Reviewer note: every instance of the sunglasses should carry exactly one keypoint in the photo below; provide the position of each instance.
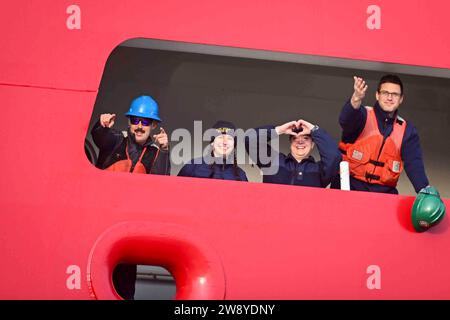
(145, 121)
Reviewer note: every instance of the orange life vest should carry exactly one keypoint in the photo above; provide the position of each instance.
(125, 165)
(372, 158)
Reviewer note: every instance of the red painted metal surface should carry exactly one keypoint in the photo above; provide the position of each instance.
(38, 49)
(270, 241)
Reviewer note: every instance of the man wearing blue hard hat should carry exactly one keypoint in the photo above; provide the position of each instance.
(138, 152)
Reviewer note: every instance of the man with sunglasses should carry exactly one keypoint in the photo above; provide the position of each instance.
(138, 152)
(377, 142)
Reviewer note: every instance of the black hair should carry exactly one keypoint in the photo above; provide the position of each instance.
(391, 78)
(235, 166)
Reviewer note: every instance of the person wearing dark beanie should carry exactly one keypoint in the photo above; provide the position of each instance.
(221, 162)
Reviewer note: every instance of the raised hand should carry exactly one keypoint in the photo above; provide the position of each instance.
(305, 125)
(360, 88)
(107, 120)
(162, 139)
(288, 128)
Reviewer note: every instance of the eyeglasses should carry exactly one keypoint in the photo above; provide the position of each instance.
(145, 121)
(386, 94)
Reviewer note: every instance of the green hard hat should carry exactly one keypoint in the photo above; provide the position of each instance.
(428, 209)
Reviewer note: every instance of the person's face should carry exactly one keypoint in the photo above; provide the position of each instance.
(389, 97)
(223, 145)
(301, 146)
(141, 128)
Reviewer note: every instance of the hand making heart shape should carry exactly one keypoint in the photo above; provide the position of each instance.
(295, 128)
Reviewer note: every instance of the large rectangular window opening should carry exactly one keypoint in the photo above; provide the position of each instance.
(253, 88)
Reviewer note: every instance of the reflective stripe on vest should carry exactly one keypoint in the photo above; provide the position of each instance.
(373, 159)
(125, 165)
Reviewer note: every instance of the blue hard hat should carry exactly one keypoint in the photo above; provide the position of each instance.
(145, 107)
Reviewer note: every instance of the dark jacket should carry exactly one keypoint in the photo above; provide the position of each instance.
(307, 172)
(353, 121)
(112, 148)
(221, 169)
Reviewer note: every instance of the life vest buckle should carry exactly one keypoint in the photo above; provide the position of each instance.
(376, 163)
(370, 176)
